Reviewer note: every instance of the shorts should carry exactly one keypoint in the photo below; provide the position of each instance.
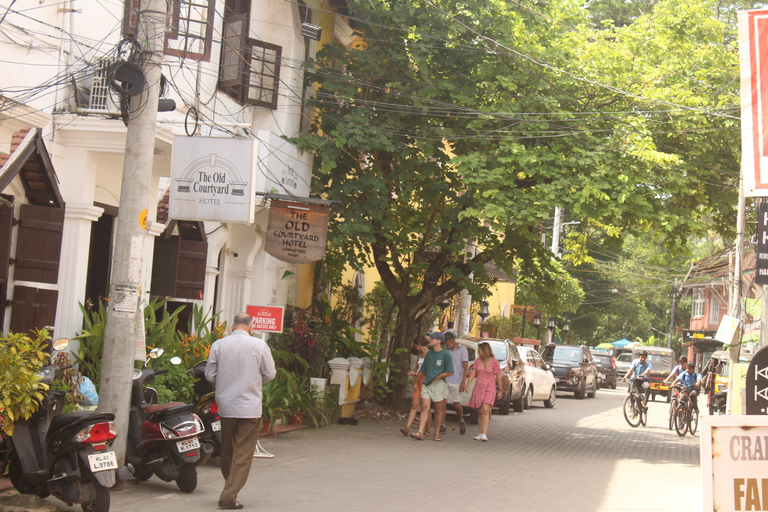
(434, 391)
(452, 393)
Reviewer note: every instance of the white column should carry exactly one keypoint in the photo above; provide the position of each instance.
(154, 229)
(73, 268)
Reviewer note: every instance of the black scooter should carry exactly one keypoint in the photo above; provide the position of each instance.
(162, 438)
(208, 412)
(65, 455)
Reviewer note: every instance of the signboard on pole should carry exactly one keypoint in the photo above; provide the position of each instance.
(761, 255)
(296, 232)
(727, 329)
(212, 179)
(734, 451)
(266, 318)
(753, 57)
(756, 389)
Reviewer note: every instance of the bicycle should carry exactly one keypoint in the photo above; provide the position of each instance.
(634, 411)
(674, 402)
(686, 418)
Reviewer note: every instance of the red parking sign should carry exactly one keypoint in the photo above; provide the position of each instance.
(266, 318)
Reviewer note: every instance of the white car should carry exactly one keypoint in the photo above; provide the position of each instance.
(540, 383)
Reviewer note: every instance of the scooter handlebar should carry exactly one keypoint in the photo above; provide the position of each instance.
(160, 372)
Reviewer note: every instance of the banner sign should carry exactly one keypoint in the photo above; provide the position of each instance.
(727, 329)
(212, 179)
(266, 318)
(756, 389)
(761, 254)
(753, 55)
(734, 451)
(296, 231)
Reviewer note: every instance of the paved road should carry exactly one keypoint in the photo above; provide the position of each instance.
(579, 456)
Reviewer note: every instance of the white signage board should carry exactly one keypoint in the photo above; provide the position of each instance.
(734, 451)
(213, 179)
(753, 57)
(279, 168)
(727, 329)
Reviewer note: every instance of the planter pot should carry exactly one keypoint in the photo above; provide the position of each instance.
(297, 418)
(265, 425)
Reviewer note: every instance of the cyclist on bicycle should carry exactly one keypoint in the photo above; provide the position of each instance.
(641, 368)
(691, 382)
(677, 370)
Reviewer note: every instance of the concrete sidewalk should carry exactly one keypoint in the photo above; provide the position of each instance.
(579, 456)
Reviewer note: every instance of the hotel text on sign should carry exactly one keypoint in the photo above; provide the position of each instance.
(296, 231)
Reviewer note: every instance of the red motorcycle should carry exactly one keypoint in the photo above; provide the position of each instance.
(162, 438)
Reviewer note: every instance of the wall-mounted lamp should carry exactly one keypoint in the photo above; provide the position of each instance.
(484, 313)
(442, 305)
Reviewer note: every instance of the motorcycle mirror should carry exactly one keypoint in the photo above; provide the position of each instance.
(155, 352)
(175, 360)
(60, 344)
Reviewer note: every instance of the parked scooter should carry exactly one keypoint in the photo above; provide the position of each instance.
(208, 412)
(64, 455)
(163, 438)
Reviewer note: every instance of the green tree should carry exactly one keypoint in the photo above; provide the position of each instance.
(452, 132)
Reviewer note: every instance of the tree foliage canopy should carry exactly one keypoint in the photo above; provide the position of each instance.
(452, 130)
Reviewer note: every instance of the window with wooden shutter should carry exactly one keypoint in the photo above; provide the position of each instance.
(233, 50)
(39, 244)
(178, 268)
(188, 31)
(33, 308)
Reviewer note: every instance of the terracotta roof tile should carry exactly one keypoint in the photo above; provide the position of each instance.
(162, 207)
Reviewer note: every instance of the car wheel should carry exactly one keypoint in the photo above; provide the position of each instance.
(613, 386)
(593, 393)
(528, 397)
(582, 391)
(550, 402)
(519, 404)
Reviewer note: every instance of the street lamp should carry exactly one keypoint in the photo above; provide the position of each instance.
(442, 305)
(484, 313)
(566, 329)
(537, 325)
(551, 324)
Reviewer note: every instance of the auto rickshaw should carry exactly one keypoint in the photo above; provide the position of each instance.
(662, 362)
(716, 381)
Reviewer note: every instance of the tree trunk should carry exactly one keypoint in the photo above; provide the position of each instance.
(406, 330)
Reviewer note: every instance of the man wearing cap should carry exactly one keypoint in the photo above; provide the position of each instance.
(437, 365)
(454, 385)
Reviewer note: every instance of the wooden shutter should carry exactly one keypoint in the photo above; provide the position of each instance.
(164, 263)
(233, 50)
(39, 244)
(33, 308)
(6, 224)
(190, 273)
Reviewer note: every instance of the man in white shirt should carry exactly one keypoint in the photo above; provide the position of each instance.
(455, 383)
(238, 365)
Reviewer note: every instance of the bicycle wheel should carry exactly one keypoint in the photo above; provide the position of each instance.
(681, 420)
(644, 416)
(631, 414)
(672, 409)
(694, 422)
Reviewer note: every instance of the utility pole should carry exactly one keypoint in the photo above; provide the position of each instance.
(556, 230)
(672, 312)
(127, 262)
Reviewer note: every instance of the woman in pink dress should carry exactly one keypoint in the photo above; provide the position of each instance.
(488, 372)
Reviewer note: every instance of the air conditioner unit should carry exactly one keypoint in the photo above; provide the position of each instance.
(103, 99)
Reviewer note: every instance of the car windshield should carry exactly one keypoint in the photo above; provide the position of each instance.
(563, 354)
(624, 358)
(499, 351)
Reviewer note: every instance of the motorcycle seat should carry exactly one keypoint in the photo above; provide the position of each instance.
(159, 412)
(78, 418)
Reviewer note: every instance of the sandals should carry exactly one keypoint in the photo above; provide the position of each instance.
(417, 437)
(230, 506)
(404, 431)
(438, 437)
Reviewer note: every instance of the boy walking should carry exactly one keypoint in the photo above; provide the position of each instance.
(438, 364)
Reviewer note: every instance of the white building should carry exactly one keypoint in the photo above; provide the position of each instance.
(63, 175)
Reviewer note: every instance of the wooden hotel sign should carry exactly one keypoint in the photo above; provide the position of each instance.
(296, 231)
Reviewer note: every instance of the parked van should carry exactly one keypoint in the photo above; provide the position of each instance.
(662, 361)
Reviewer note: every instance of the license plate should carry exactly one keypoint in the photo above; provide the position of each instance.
(187, 444)
(102, 461)
(216, 425)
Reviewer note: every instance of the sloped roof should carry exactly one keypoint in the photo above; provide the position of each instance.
(717, 267)
(30, 161)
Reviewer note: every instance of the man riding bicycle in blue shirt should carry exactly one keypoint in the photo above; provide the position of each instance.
(691, 381)
(641, 368)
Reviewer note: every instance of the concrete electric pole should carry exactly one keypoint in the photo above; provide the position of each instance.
(124, 290)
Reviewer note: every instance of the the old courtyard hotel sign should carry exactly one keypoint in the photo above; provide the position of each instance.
(212, 179)
(296, 231)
